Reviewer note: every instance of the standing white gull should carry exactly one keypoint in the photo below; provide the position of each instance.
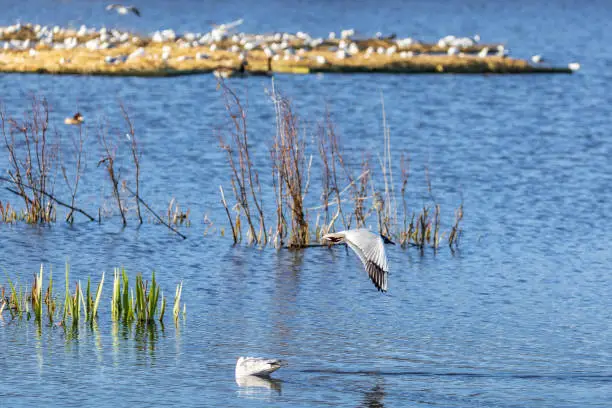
(262, 367)
(370, 248)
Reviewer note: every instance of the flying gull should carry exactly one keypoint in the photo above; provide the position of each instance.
(370, 248)
(123, 10)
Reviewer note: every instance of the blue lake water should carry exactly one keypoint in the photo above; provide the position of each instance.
(520, 316)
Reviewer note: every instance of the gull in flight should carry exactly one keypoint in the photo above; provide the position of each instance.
(228, 26)
(123, 10)
(370, 248)
(261, 367)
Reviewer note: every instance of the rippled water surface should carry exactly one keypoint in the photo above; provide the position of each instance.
(520, 316)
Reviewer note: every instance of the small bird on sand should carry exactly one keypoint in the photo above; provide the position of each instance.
(261, 367)
(77, 119)
(370, 248)
(123, 10)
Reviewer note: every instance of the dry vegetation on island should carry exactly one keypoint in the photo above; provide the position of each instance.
(28, 48)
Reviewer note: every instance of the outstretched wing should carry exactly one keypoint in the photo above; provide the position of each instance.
(371, 250)
(135, 10)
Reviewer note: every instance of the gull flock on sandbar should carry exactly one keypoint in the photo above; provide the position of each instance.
(228, 52)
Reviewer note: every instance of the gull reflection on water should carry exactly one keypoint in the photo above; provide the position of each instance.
(253, 387)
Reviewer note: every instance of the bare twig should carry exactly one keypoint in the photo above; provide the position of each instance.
(109, 161)
(73, 187)
(135, 154)
(50, 196)
(154, 213)
(234, 235)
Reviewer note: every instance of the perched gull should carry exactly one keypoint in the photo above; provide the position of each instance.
(370, 248)
(123, 10)
(536, 59)
(262, 367)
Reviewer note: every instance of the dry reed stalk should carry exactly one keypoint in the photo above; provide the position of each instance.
(245, 179)
(110, 151)
(290, 165)
(73, 187)
(436, 228)
(175, 215)
(135, 155)
(453, 237)
(229, 217)
(331, 156)
(281, 222)
(32, 161)
(390, 207)
(360, 194)
(143, 202)
(404, 168)
(326, 176)
(8, 214)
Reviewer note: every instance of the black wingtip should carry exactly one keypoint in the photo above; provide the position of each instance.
(386, 240)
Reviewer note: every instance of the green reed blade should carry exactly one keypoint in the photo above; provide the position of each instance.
(38, 303)
(82, 298)
(116, 302)
(50, 302)
(94, 312)
(88, 301)
(67, 297)
(163, 308)
(126, 306)
(177, 301)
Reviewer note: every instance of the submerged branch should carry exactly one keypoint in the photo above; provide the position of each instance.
(154, 213)
(50, 196)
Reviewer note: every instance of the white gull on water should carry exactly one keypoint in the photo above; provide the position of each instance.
(262, 367)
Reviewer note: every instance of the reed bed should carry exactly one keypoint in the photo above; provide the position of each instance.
(144, 304)
(350, 196)
(38, 162)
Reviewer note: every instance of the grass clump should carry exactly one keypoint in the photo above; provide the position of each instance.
(145, 304)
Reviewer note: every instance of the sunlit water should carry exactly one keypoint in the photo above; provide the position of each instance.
(520, 316)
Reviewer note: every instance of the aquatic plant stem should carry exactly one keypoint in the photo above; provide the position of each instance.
(154, 213)
(49, 195)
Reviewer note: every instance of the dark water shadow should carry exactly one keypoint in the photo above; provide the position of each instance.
(509, 375)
